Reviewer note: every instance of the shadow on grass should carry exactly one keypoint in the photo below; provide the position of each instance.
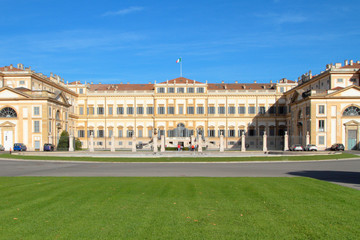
(331, 176)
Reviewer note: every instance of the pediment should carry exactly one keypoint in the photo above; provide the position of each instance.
(61, 98)
(7, 92)
(7, 124)
(352, 123)
(351, 91)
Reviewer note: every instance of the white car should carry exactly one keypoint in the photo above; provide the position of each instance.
(296, 147)
(311, 147)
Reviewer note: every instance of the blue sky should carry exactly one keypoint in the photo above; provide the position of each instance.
(139, 41)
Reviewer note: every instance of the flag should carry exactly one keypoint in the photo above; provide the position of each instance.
(178, 61)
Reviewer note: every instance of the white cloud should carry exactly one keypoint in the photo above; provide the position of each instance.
(283, 18)
(123, 11)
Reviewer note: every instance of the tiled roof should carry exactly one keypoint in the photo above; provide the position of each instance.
(75, 82)
(10, 69)
(240, 86)
(181, 80)
(355, 65)
(121, 87)
(337, 88)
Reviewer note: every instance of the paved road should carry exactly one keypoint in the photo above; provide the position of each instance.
(343, 172)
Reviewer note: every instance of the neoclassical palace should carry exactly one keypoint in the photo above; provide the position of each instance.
(320, 109)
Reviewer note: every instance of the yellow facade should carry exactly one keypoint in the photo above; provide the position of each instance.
(314, 109)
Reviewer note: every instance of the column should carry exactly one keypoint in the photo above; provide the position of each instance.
(91, 142)
(133, 145)
(286, 141)
(50, 138)
(221, 143)
(243, 149)
(162, 143)
(155, 142)
(265, 142)
(200, 143)
(307, 138)
(112, 149)
(71, 143)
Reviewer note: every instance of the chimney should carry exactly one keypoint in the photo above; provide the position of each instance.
(270, 81)
(121, 83)
(358, 62)
(346, 62)
(92, 83)
(51, 74)
(128, 83)
(99, 82)
(236, 81)
(222, 81)
(11, 66)
(351, 62)
(254, 81)
(149, 82)
(310, 74)
(20, 66)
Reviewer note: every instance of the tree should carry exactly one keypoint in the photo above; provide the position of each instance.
(77, 144)
(63, 141)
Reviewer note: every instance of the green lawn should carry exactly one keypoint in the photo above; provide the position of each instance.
(176, 208)
(187, 159)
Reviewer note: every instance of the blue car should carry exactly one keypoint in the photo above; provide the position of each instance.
(19, 147)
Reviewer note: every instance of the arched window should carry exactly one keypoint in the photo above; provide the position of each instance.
(8, 112)
(58, 115)
(352, 111)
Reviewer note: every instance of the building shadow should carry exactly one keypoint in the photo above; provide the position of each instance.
(331, 176)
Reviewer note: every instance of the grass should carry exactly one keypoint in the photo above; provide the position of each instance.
(185, 159)
(176, 208)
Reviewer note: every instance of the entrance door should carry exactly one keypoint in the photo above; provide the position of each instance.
(8, 140)
(352, 139)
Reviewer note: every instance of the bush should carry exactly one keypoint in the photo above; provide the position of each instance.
(63, 141)
(77, 144)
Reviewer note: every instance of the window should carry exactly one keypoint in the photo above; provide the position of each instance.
(161, 90)
(241, 132)
(180, 90)
(272, 110)
(241, 109)
(231, 133)
(90, 111)
(150, 110)
(231, 110)
(307, 110)
(50, 126)
(211, 110)
(200, 110)
(161, 110)
(22, 82)
(150, 133)
(171, 90)
(66, 116)
(200, 90)
(120, 110)
(282, 110)
(140, 133)
(129, 133)
(221, 110)
(140, 110)
(90, 133)
(262, 110)
(49, 111)
(110, 110)
(321, 140)
(36, 126)
(36, 111)
(100, 110)
(130, 110)
(100, 133)
(321, 109)
(181, 110)
(282, 89)
(99, 143)
(81, 133)
(81, 91)
(81, 110)
(252, 132)
(340, 80)
(352, 111)
(251, 110)
(120, 143)
(110, 134)
(190, 110)
(190, 90)
(211, 133)
(171, 110)
(321, 125)
(120, 133)
(221, 132)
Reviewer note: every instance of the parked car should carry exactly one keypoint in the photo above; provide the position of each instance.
(19, 147)
(296, 147)
(337, 147)
(49, 147)
(311, 147)
(2, 148)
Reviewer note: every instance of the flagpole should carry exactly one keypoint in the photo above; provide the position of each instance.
(180, 66)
